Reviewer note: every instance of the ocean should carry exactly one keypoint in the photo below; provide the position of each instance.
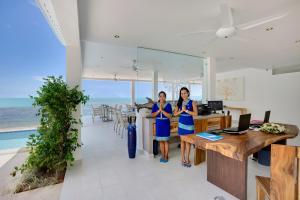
(19, 113)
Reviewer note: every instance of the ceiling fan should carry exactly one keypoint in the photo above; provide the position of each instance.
(134, 66)
(115, 77)
(229, 29)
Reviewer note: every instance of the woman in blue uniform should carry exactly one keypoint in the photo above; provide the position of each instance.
(163, 113)
(186, 109)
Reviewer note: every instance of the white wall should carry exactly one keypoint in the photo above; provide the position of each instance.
(264, 91)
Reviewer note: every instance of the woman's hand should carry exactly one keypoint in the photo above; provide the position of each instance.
(195, 111)
(157, 112)
(161, 107)
(168, 115)
(177, 111)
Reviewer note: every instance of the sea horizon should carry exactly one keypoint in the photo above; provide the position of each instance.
(21, 102)
(17, 102)
(18, 112)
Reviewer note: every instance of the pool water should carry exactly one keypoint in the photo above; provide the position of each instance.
(14, 139)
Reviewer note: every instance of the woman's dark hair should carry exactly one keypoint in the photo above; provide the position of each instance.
(180, 100)
(162, 92)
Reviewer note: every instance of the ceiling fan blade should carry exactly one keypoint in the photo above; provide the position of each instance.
(261, 21)
(226, 15)
(115, 77)
(243, 39)
(212, 40)
(197, 32)
(134, 68)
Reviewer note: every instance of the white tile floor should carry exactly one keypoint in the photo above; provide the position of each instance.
(106, 172)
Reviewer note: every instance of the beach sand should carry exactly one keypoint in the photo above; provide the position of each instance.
(8, 182)
(7, 154)
(15, 157)
(51, 192)
(4, 158)
(24, 128)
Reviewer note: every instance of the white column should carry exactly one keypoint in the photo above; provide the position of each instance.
(73, 75)
(62, 17)
(132, 92)
(204, 83)
(173, 91)
(155, 85)
(209, 83)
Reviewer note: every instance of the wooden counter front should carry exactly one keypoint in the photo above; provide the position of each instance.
(202, 123)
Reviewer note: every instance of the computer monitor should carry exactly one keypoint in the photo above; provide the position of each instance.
(204, 109)
(215, 105)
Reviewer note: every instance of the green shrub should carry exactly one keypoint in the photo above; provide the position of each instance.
(51, 150)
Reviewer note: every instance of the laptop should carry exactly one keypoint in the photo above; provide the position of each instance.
(244, 123)
(260, 122)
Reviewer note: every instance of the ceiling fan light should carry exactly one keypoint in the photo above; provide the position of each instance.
(225, 32)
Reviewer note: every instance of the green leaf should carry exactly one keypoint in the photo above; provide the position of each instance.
(57, 139)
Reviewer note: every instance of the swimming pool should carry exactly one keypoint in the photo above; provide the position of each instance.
(14, 139)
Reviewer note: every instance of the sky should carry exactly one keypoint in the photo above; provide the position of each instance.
(30, 51)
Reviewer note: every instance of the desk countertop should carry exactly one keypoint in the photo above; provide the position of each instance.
(239, 147)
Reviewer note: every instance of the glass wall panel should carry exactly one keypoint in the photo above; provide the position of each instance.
(106, 92)
(173, 68)
(143, 89)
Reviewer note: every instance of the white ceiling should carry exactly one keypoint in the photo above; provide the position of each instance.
(107, 61)
(157, 24)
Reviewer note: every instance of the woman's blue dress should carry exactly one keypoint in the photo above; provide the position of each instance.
(162, 122)
(186, 121)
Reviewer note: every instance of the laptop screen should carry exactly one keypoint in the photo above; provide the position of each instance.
(267, 116)
(244, 122)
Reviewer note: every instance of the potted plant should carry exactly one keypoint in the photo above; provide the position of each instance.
(51, 150)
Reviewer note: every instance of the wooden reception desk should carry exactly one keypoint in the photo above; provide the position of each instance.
(227, 158)
(202, 123)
